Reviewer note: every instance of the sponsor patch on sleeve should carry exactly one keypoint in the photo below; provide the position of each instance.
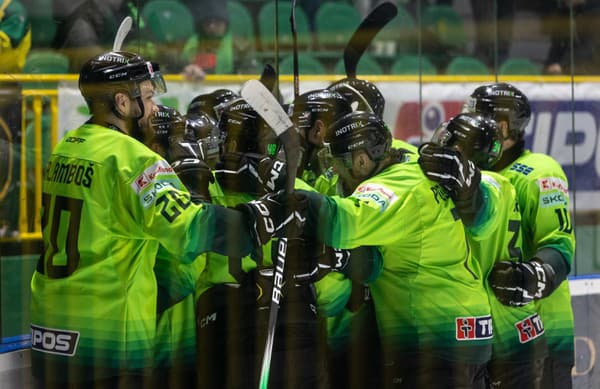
(376, 194)
(156, 178)
(474, 328)
(555, 199)
(551, 184)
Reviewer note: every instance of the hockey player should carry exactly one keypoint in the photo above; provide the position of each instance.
(311, 113)
(548, 239)
(173, 137)
(431, 306)
(363, 95)
(355, 329)
(109, 205)
(519, 345)
(234, 293)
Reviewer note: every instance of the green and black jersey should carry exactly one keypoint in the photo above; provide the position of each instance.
(429, 294)
(518, 331)
(543, 195)
(109, 203)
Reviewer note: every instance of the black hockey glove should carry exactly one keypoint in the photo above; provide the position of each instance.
(358, 264)
(447, 167)
(269, 215)
(459, 176)
(196, 176)
(519, 283)
(252, 173)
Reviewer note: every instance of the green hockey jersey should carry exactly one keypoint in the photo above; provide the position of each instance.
(429, 294)
(108, 203)
(518, 331)
(543, 195)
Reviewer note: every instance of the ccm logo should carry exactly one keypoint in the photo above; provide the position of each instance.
(53, 341)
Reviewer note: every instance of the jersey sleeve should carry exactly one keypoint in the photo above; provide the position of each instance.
(547, 215)
(159, 202)
(486, 222)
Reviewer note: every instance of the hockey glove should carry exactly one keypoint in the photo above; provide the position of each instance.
(360, 264)
(459, 176)
(269, 215)
(519, 283)
(196, 176)
(447, 167)
(252, 173)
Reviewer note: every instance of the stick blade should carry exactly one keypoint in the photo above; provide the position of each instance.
(362, 37)
(122, 32)
(266, 105)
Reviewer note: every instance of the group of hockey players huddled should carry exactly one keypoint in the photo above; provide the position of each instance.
(437, 267)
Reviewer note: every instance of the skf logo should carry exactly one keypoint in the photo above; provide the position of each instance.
(474, 328)
(530, 328)
(553, 200)
(53, 341)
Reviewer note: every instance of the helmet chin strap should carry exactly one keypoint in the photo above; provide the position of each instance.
(132, 124)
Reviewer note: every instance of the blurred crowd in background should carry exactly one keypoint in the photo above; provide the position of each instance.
(199, 37)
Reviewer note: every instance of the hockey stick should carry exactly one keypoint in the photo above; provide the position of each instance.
(295, 50)
(276, 42)
(269, 79)
(363, 36)
(263, 102)
(122, 32)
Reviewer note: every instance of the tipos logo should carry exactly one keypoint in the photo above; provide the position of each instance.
(529, 328)
(474, 328)
(53, 341)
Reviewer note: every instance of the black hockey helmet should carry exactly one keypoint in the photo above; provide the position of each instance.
(117, 71)
(475, 135)
(502, 101)
(206, 131)
(211, 103)
(361, 94)
(239, 122)
(358, 130)
(166, 123)
(320, 104)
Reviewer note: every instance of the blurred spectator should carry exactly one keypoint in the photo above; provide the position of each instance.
(484, 15)
(15, 36)
(586, 44)
(212, 50)
(86, 28)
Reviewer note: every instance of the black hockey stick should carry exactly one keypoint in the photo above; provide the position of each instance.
(295, 50)
(269, 78)
(263, 102)
(363, 36)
